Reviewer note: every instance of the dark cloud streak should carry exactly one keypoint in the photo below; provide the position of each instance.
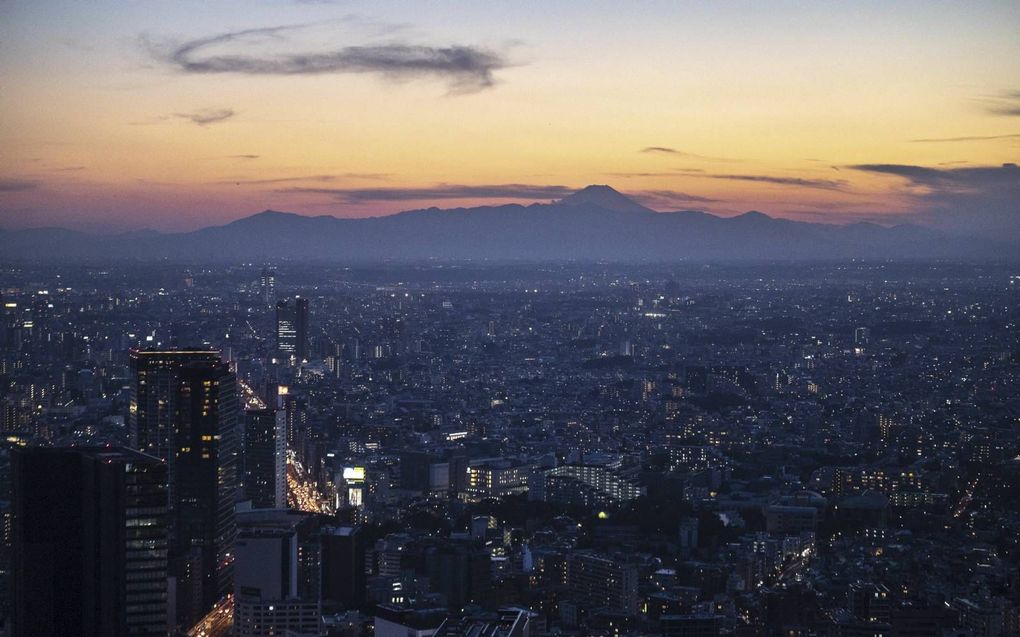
(966, 177)
(441, 191)
(17, 185)
(674, 152)
(972, 138)
(206, 116)
(800, 182)
(305, 178)
(279, 180)
(971, 200)
(1007, 103)
(660, 196)
(669, 173)
(465, 68)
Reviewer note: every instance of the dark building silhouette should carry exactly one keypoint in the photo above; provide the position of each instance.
(414, 470)
(292, 328)
(343, 567)
(690, 625)
(460, 574)
(89, 543)
(869, 602)
(276, 580)
(265, 459)
(184, 409)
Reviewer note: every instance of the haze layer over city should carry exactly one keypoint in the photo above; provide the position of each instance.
(340, 319)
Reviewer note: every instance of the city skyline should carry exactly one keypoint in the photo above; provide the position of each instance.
(173, 117)
(531, 450)
(335, 318)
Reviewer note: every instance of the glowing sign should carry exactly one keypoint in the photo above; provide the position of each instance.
(354, 473)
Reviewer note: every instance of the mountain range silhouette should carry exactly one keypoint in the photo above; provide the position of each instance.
(597, 223)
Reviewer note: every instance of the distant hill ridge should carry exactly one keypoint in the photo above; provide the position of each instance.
(596, 223)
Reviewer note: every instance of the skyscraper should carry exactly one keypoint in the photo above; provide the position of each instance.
(265, 459)
(89, 543)
(155, 396)
(267, 286)
(292, 328)
(296, 409)
(184, 409)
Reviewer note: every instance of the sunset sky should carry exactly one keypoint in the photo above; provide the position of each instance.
(177, 115)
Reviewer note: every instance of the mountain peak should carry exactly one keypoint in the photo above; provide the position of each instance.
(265, 217)
(755, 215)
(602, 196)
(269, 213)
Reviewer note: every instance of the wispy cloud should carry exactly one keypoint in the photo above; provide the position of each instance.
(304, 178)
(206, 116)
(669, 197)
(17, 185)
(1006, 103)
(799, 182)
(440, 192)
(665, 150)
(674, 152)
(465, 68)
(243, 156)
(664, 173)
(970, 138)
(965, 177)
(279, 180)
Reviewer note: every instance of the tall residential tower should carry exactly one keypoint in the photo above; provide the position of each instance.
(184, 409)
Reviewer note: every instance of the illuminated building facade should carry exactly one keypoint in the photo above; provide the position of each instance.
(292, 329)
(184, 410)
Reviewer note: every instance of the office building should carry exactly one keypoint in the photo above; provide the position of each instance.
(276, 590)
(89, 543)
(184, 409)
(595, 581)
(790, 520)
(265, 458)
(292, 329)
(461, 574)
(155, 398)
(296, 412)
(497, 478)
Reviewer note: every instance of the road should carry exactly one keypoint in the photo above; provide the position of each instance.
(302, 494)
(968, 495)
(219, 622)
(249, 397)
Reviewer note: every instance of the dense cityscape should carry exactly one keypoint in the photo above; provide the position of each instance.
(463, 449)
